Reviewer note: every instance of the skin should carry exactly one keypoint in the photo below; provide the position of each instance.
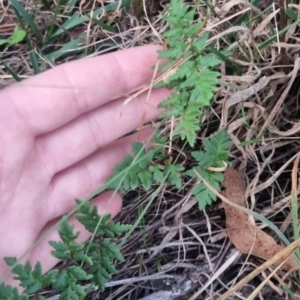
(61, 137)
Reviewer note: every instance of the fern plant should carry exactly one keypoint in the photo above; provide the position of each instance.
(215, 154)
(194, 83)
(195, 80)
(97, 256)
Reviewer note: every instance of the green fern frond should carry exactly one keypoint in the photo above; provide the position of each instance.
(147, 171)
(111, 250)
(194, 81)
(67, 283)
(135, 168)
(174, 176)
(202, 193)
(97, 224)
(68, 248)
(189, 125)
(103, 255)
(215, 154)
(31, 279)
(9, 293)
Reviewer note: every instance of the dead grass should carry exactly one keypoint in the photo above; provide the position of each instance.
(176, 247)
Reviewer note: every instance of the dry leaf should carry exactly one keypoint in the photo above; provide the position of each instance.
(241, 230)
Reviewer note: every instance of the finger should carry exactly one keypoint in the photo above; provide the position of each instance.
(66, 146)
(107, 203)
(56, 97)
(88, 175)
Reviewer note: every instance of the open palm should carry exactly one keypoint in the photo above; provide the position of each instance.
(60, 140)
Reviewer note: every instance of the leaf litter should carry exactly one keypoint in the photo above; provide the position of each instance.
(241, 229)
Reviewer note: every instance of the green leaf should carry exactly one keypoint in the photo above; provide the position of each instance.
(10, 71)
(80, 256)
(174, 53)
(98, 224)
(103, 266)
(158, 175)
(135, 169)
(203, 195)
(205, 159)
(174, 175)
(100, 280)
(204, 90)
(274, 37)
(72, 47)
(215, 153)
(134, 180)
(190, 124)
(186, 70)
(209, 60)
(292, 14)
(77, 19)
(66, 231)
(106, 263)
(66, 283)
(20, 9)
(30, 279)
(62, 281)
(216, 150)
(218, 145)
(191, 81)
(175, 6)
(105, 26)
(174, 33)
(69, 294)
(139, 151)
(7, 292)
(18, 36)
(138, 148)
(77, 290)
(4, 41)
(33, 58)
(192, 31)
(194, 81)
(104, 273)
(68, 248)
(146, 179)
(112, 250)
(49, 278)
(79, 273)
(61, 250)
(200, 43)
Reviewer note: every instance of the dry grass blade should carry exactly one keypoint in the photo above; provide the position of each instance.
(295, 217)
(242, 96)
(259, 288)
(279, 103)
(283, 254)
(275, 176)
(216, 275)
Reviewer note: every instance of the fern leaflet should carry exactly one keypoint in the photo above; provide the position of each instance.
(215, 154)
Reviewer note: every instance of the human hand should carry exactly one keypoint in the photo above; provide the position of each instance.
(58, 142)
